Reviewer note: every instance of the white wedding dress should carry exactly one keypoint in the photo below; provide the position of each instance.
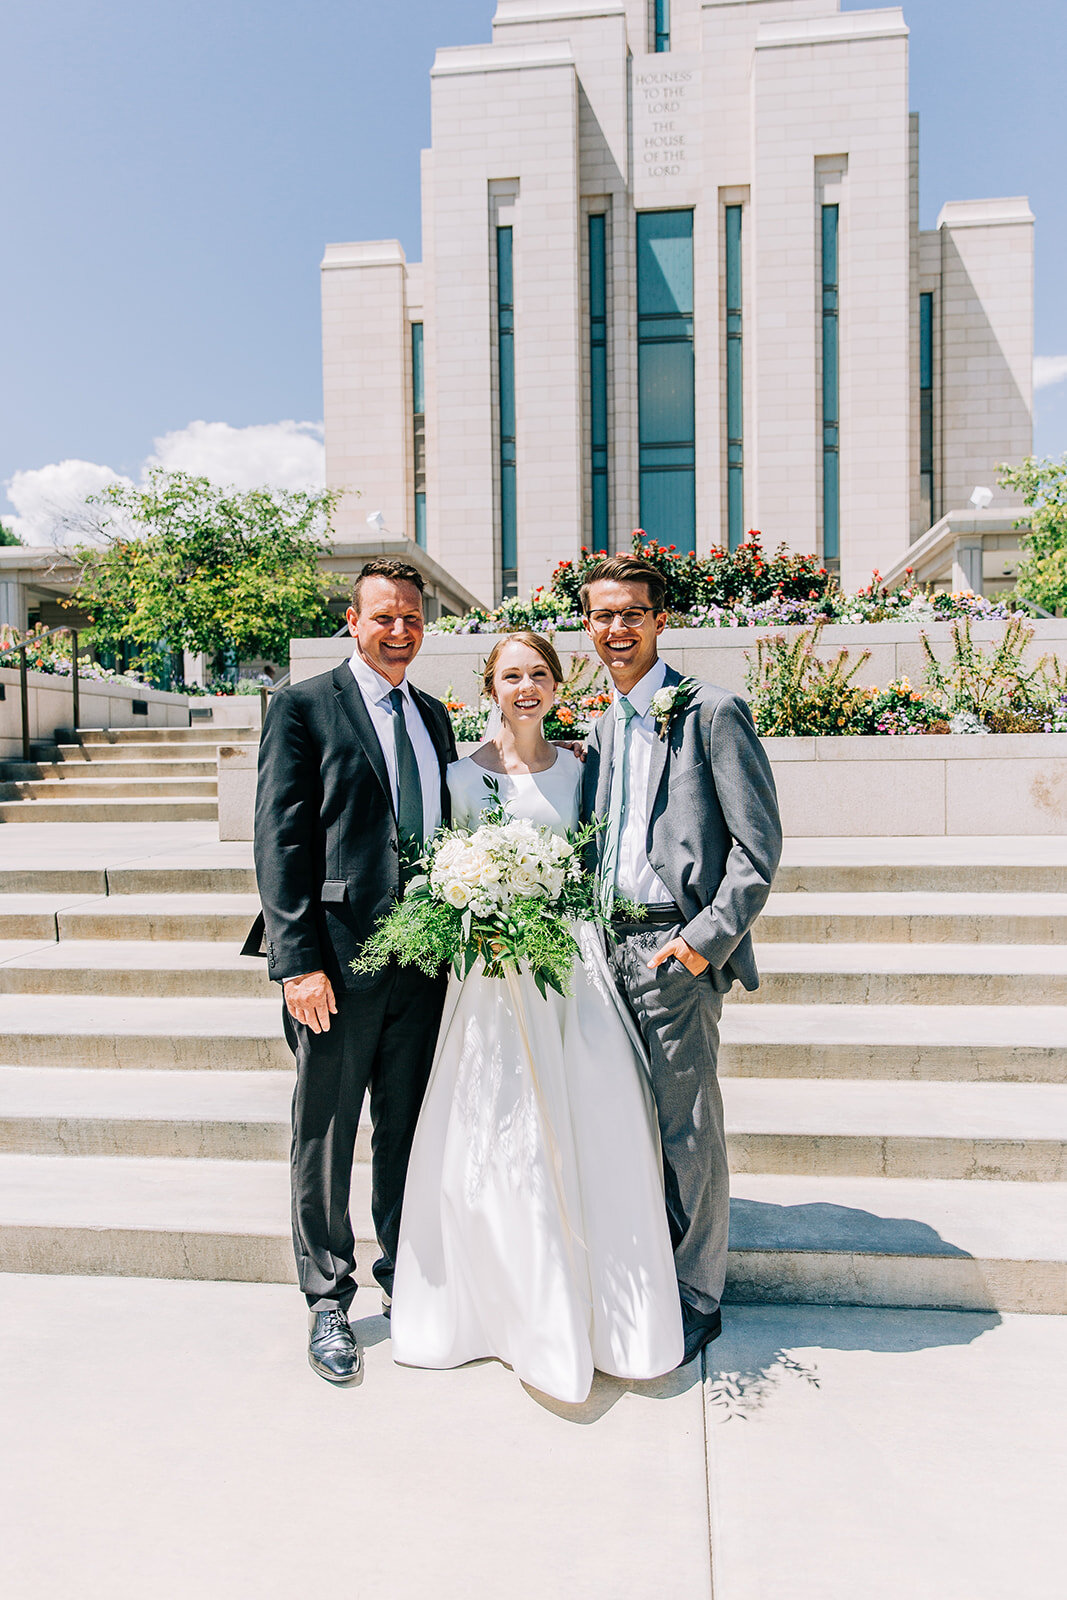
(534, 1226)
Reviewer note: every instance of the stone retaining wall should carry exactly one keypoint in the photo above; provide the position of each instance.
(102, 704)
(997, 785)
(717, 655)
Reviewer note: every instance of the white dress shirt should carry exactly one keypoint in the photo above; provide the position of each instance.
(635, 878)
(376, 691)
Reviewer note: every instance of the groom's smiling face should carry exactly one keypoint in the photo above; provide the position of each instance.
(627, 648)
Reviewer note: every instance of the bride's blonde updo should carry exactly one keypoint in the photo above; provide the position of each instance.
(536, 641)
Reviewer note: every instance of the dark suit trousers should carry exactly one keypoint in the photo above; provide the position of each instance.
(381, 1039)
(678, 1016)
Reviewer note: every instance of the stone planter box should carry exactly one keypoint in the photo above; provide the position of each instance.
(897, 785)
(102, 705)
(718, 655)
(991, 785)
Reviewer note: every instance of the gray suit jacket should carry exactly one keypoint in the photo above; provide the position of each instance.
(714, 835)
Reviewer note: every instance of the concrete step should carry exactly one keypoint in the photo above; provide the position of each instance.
(33, 916)
(955, 1245)
(916, 877)
(109, 1032)
(181, 877)
(119, 755)
(901, 974)
(114, 810)
(159, 968)
(915, 918)
(849, 1241)
(1005, 1132)
(203, 733)
(948, 1044)
(107, 788)
(229, 1116)
(1002, 1131)
(225, 917)
(147, 766)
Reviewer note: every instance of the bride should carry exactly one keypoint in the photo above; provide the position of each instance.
(534, 1227)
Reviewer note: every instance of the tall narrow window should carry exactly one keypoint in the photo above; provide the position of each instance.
(665, 377)
(662, 25)
(598, 376)
(735, 403)
(926, 409)
(831, 388)
(505, 308)
(418, 410)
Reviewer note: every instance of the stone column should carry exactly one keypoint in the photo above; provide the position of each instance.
(13, 604)
(967, 565)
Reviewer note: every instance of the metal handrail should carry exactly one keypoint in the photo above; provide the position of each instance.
(24, 685)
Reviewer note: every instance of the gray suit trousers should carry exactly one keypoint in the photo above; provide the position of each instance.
(678, 1017)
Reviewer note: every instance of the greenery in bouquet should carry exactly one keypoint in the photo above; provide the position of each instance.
(506, 893)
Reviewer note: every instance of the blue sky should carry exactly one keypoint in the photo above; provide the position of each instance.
(174, 170)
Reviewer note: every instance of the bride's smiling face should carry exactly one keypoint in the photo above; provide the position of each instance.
(523, 685)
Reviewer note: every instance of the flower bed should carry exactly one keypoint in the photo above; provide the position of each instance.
(742, 588)
(47, 655)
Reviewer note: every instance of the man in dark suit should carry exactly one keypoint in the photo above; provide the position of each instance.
(351, 783)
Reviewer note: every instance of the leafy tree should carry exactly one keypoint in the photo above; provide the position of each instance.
(1042, 482)
(187, 565)
(8, 535)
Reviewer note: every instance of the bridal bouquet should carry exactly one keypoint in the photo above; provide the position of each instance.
(508, 892)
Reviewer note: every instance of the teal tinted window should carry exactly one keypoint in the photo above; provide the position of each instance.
(663, 25)
(509, 560)
(665, 377)
(598, 377)
(735, 394)
(926, 409)
(418, 408)
(831, 384)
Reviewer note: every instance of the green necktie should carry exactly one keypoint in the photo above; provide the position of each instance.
(624, 713)
(409, 818)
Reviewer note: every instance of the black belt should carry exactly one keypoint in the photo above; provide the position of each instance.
(657, 916)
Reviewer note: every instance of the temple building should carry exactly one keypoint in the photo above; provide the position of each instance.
(673, 277)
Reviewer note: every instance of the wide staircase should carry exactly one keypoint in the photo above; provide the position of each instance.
(109, 775)
(896, 1092)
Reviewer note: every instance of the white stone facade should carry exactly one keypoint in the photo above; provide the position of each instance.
(782, 108)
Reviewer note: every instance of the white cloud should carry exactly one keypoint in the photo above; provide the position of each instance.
(286, 455)
(1049, 370)
(49, 501)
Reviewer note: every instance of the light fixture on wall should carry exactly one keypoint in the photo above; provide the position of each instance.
(376, 521)
(981, 498)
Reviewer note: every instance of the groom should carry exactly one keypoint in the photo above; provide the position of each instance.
(351, 782)
(692, 834)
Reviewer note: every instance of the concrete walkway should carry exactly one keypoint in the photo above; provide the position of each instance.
(168, 1439)
(888, 1455)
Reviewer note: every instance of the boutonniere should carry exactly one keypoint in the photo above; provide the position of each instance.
(669, 701)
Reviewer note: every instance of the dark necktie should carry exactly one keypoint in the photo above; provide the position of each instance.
(409, 818)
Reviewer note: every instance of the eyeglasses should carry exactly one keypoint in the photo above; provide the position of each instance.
(632, 617)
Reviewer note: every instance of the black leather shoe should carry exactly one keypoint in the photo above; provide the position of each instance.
(387, 1305)
(699, 1330)
(332, 1348)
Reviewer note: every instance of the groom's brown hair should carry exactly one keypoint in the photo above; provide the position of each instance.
(626, 569)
